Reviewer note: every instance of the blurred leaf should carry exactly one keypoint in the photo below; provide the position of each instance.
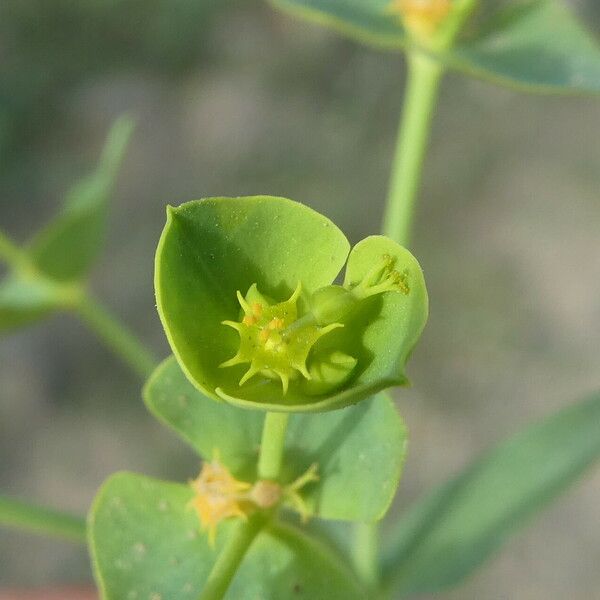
(146, 543)
(359, 450)
(456, 528)
(25, 301)
(369, 21)
(66, 248)
(536, 45)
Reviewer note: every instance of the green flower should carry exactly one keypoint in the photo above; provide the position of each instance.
(244, 291)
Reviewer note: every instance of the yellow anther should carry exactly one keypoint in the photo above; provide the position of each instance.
(276, 323)
(257, 309)
(249, 320)
(263, 336)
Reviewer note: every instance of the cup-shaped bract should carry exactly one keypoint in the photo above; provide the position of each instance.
(236, 280)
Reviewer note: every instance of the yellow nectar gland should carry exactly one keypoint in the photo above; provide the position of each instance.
(422, 17)
(272, 338)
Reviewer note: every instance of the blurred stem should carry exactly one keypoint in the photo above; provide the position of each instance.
(116, 336)
(365, 553)
(231, 557)
(40, 520)
(424, 75)
(108, 328)
(12, 254)
(272, 445)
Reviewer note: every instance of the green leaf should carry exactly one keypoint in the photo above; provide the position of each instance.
(536, 45)
(214, 248)
(146, 544)
(207, 426)
(25, 301)
(360, 450)
(66, 248)
(457, 527)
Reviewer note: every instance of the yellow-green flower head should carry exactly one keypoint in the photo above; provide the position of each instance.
(245, 292)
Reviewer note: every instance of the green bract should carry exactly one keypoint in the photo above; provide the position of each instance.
(536, 45)
(243, 288)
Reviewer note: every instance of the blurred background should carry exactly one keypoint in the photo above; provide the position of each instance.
(232, 98)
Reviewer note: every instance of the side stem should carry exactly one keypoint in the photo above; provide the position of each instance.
(272, 445)
(116, 336)
(424, 75)
(231, 557)
(41, 520)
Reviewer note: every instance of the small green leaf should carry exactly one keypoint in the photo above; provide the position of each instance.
(25, 301)
(359, 450)
(457, 527)
(145, 543)
(536, 45)
(66, 248)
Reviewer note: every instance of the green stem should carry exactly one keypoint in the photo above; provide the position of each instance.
(272, 445)
(40, 520)
(116, 336)
(365, 553)
(424, 75)
(231, 557)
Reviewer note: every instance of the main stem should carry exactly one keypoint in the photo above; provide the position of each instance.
(422, 87)
(41, 520)
(272, 445)
(424, 74)
(231, 557)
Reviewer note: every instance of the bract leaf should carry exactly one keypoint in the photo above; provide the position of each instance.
(390, 338)
(359, 450)
(535, 45)
(66, 248)
(457, 527)
(210, 250)
(204, 424)
(25, 301)
(145, 543)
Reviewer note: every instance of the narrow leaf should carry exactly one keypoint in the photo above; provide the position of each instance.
(66, 248)
(457, 527)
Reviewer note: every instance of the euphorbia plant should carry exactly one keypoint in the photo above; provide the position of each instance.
(284, 341)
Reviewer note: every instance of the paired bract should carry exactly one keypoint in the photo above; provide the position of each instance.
(245, 292)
